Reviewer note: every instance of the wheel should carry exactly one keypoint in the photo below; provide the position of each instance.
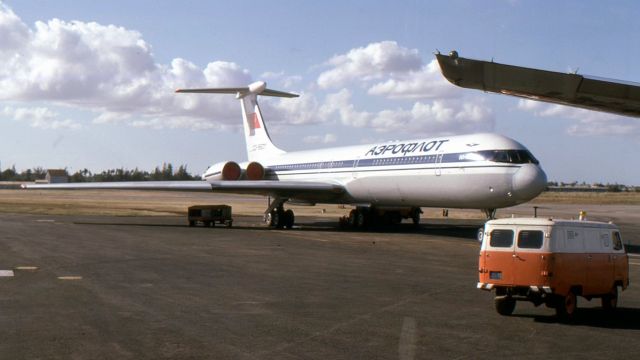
(288, 219)
(361, 219)
(206, 223)
(192, 223)
(230, 223)
(567, 306)
(268, 219)
(352, 218)
(416, 216)
(278, 219)
(610, 301)
(505, 305)
(213, 223)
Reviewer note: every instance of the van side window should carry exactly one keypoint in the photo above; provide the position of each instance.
(530, 239)
(501, 238)
(617, 241)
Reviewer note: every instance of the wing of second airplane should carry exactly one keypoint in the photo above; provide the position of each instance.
(285, 189)
(589, 92)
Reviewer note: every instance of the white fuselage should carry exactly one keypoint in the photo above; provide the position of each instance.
(483, 171)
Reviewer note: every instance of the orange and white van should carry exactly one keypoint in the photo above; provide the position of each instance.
(551, 262)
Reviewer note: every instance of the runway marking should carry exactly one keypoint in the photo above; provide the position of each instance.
(69, 277)
(407, 345)
(45, 220)
(634, 263)
(26, 268)
(6, 273)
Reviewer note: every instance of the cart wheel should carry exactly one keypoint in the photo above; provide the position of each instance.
(505, 305)
(192, 223)
(229, 223)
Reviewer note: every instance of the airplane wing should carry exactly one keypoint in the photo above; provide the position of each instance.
(589, 92)
(125, 185)
(284, 189)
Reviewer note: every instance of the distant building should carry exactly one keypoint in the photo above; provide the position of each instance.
(57, 176)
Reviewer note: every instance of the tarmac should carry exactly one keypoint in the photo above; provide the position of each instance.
(97, 287)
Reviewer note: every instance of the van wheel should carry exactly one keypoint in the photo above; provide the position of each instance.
(567, 306)
(610, 301)
(505, 305)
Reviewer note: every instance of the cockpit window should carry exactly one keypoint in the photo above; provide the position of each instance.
(508, 156)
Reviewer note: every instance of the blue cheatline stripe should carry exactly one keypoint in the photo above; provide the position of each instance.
(374, 162)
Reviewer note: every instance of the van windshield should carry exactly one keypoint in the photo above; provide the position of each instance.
(530, 239)
(501, 238)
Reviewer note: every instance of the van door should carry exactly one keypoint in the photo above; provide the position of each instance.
(529, 258)
(498, 257)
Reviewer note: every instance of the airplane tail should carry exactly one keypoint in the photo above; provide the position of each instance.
(259, 144)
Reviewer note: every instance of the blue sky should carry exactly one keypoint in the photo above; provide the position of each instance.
(90, 84)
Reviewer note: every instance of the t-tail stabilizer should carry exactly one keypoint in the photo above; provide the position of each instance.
(259, 144)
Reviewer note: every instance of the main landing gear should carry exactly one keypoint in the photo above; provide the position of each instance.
(364, 217)
(276, 216)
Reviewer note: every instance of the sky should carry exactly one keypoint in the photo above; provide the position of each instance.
(91, 84)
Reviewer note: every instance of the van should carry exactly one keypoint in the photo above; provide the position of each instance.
(552, 262)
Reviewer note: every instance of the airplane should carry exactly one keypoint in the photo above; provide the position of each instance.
(385, 182)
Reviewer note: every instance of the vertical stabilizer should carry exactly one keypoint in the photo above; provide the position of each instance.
(259, 144)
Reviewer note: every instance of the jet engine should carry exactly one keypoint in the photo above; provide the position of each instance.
(226, 170)
(255, 171)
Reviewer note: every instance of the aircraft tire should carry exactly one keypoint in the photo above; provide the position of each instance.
(278, 219)
(288, 219)
(360, 219)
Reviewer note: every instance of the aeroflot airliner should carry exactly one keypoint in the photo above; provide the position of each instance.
(384, 181)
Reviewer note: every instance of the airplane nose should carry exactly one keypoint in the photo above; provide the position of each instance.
(528, 182)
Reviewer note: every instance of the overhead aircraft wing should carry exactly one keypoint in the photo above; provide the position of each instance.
(285, 189)
(198, 185)
(589, 92)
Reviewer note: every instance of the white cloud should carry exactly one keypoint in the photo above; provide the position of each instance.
(110, 70)
(588, 122)
(39, 117)
(367, 63)
(320, 139)
(437, 118)
(425, 83)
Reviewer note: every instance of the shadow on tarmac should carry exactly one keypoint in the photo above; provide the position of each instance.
(622, 318)
(453, 228)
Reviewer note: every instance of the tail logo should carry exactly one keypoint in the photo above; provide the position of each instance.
(254, 123)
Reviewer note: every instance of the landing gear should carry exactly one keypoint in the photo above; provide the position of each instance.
(489, 213)
(364, 217)
(276, 216)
